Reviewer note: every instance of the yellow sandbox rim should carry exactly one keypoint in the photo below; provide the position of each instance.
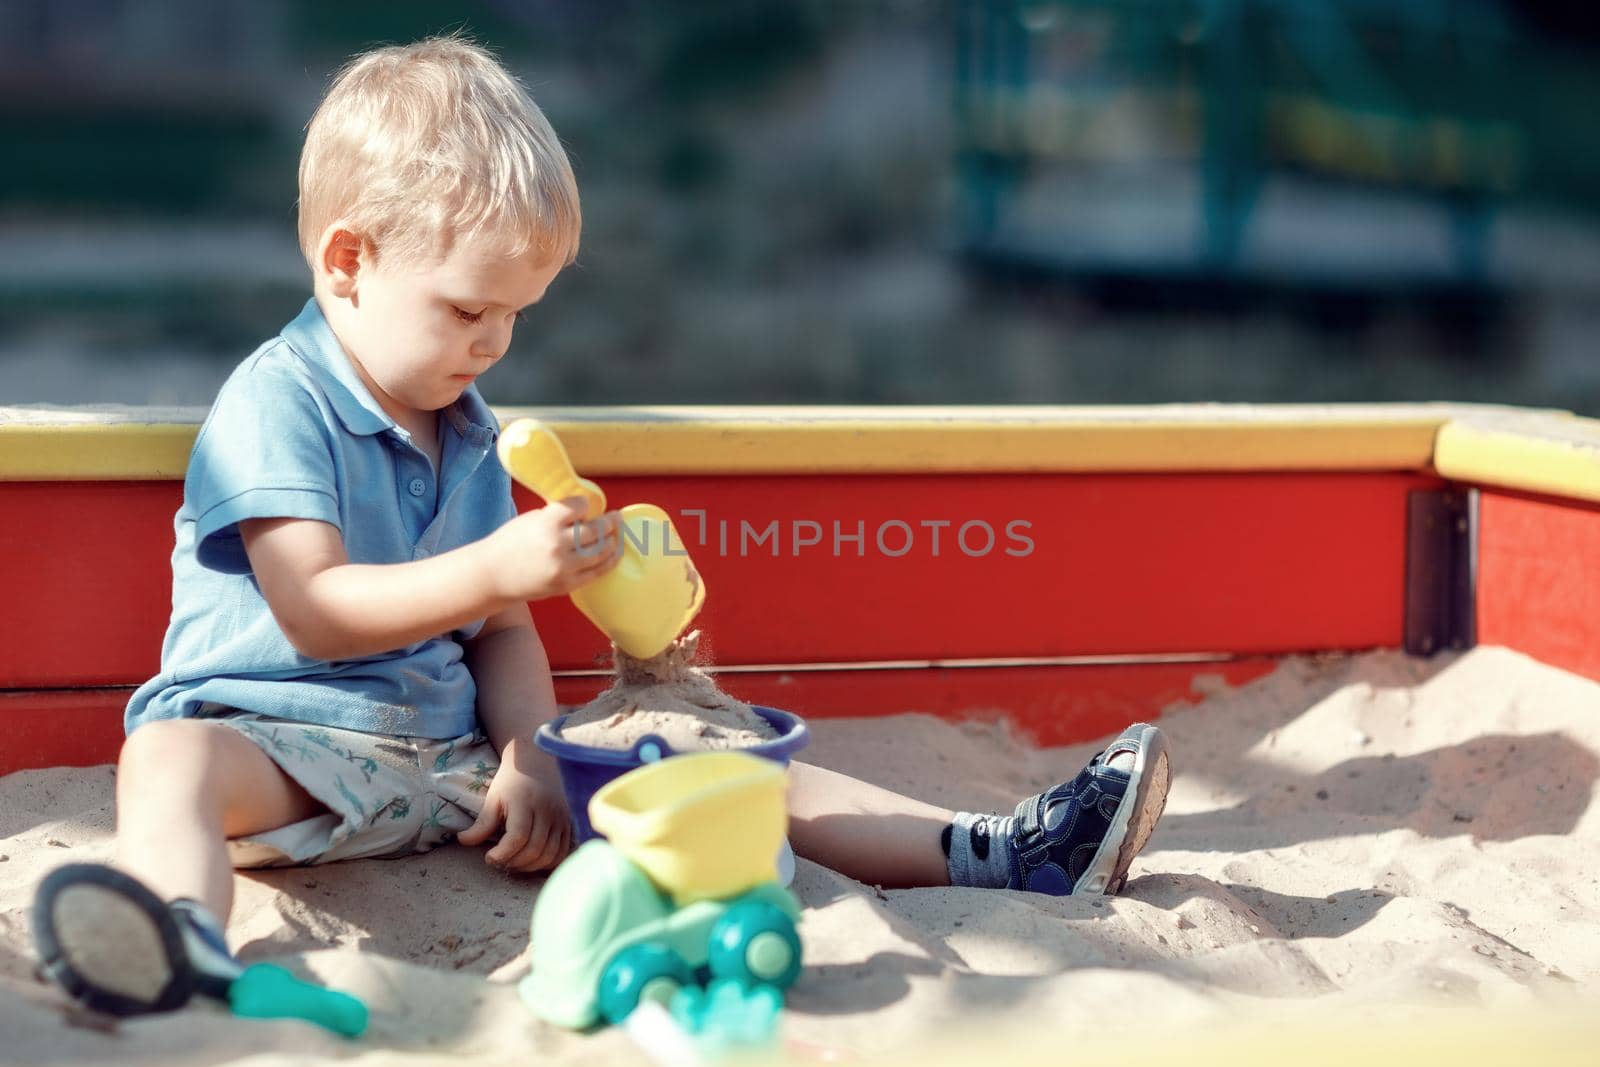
(861, 440)
(1538, 450)
(1558, 454)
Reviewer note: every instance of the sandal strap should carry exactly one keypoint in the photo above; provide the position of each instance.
(1032, 844)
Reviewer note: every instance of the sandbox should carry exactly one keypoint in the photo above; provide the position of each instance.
(1356, 832)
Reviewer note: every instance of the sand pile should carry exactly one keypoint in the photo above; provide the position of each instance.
(1352, 839)
(666, 695)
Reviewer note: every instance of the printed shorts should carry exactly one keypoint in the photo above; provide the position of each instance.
(387, 796)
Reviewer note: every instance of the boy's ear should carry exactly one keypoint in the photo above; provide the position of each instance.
(340, 259)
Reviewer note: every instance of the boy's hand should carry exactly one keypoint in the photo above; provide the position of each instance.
(553, 550)
(537, 830)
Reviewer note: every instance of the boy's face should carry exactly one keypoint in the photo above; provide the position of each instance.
(420, 333)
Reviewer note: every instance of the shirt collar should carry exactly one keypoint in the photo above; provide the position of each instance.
(313, 339)
(472, 419)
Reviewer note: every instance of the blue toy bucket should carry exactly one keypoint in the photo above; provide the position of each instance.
(585, 769)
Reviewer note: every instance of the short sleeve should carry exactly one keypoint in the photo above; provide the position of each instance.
(265, 451)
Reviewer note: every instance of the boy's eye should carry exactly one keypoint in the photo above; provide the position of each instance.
(466, 316)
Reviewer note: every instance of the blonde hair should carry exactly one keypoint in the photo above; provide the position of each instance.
(421, 145)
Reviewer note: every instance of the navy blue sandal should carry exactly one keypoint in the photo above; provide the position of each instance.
(1080, 838)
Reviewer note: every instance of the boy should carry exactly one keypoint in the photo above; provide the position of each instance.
(350, 669)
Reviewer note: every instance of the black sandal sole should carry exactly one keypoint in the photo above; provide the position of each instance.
(90, 920)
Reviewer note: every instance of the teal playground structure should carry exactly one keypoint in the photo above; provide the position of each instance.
(1319, 140)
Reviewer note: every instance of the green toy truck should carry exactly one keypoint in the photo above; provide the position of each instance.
(684, 889)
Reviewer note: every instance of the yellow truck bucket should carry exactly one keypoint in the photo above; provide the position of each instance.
(703, 826)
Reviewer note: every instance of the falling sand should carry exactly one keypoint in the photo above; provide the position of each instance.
(668, 696)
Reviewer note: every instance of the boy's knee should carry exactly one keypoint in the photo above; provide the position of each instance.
(169, 747)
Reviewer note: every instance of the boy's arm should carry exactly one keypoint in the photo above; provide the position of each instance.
(516, 693)
(523, 804)
(332, 609)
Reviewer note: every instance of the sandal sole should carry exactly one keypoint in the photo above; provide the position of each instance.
(110, 942)
(1134, 822)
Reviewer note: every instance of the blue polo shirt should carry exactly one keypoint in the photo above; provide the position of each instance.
(294, 433)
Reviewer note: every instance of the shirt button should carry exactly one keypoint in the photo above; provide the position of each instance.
(417, 487)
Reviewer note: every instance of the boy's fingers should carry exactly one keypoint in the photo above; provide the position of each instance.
(559, 844)
(593, 566)
(593, 553)
(534, 856)
(589, 535)
(518, 823)
(481, 828)
(569, 510)
(560, 841)
(593, 539)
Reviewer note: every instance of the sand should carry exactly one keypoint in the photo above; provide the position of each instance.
(667, 696)
(708, 730)
(1359, 838)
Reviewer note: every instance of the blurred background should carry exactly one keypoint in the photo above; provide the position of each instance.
(883, 201)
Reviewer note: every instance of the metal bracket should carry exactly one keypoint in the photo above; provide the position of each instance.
(1441, 570)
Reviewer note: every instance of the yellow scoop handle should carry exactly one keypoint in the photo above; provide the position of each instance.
(534, 456)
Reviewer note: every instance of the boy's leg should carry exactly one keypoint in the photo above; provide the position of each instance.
(145, 938)
(184, 786)
(872, 834)
(1078, 837)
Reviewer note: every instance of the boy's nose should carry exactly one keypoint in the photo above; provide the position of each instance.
(491, 344)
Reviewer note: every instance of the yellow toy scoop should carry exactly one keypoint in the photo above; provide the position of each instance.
(654, 591)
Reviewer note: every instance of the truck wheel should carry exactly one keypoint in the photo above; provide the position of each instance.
(755, 942)
(639, 973)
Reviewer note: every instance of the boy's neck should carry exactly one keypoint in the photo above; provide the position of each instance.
(421, 425)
